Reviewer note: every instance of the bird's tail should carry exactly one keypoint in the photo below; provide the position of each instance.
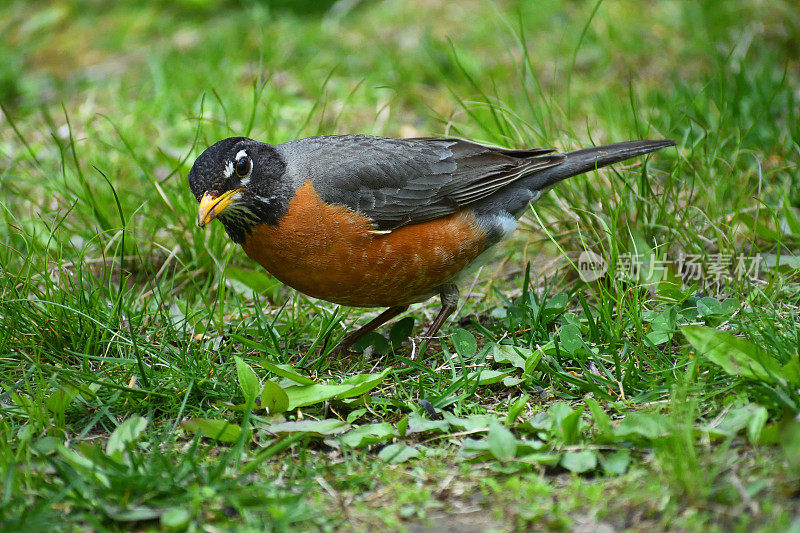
(587, 159)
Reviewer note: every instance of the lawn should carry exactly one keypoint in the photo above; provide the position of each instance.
(154, 378)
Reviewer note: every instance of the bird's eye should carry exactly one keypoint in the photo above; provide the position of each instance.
(243, 167)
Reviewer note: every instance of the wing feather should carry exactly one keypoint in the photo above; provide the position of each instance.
(396, 182)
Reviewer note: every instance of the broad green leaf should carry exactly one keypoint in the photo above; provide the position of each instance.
(125, 435)
(319, 428)
(285, 371)
(93, 452)
(647, 425)
(792, 369)
(175, 519)
(502, 443)
(510, 381)
(671, 290)
(570, 427)
(657, 338)
(750, 416)
(368, 434)
(571, 338)
(401, 331)
(615, 463)
(248, 381)
(472, 448)
(538, 422)
(688, 312)
(420, 424)
(464, 343)
(579, 462)
(273, 398)
(362, 383)
(540, 458)
(737, 356)
(756, 424)
(770, 433)
(789, 435)
(558, 411)
(730, 306)
(488, 376)
(554, 306)
(665, 321)
(709, 306)
(374, 339)
(355, 414)
(220, 430)
(402, 427)
(310, 394)
(469, 423)
(602, 421)
(504, 353)
(59, 399)
(349, 388)
(45, 445)
(570, 318)
(398, 452)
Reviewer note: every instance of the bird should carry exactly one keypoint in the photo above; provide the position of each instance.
(367, 221)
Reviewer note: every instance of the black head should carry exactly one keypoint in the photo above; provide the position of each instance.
(238, 180)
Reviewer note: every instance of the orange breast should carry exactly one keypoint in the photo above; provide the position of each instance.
(327, 251)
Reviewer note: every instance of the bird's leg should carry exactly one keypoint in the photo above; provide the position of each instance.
(449, 296)
(352, 338)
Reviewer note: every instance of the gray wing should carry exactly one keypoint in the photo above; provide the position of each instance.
(396, 182)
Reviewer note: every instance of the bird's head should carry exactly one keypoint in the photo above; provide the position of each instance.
(239, 181)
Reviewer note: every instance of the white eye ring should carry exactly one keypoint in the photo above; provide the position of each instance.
(244, 166)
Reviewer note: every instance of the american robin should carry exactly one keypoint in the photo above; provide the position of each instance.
(377, 222)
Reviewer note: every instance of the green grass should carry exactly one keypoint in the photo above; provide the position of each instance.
(134, 346)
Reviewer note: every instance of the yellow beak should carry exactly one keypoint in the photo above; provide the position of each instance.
(212, 206)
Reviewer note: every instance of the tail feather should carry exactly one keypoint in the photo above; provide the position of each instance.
(587, 159)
